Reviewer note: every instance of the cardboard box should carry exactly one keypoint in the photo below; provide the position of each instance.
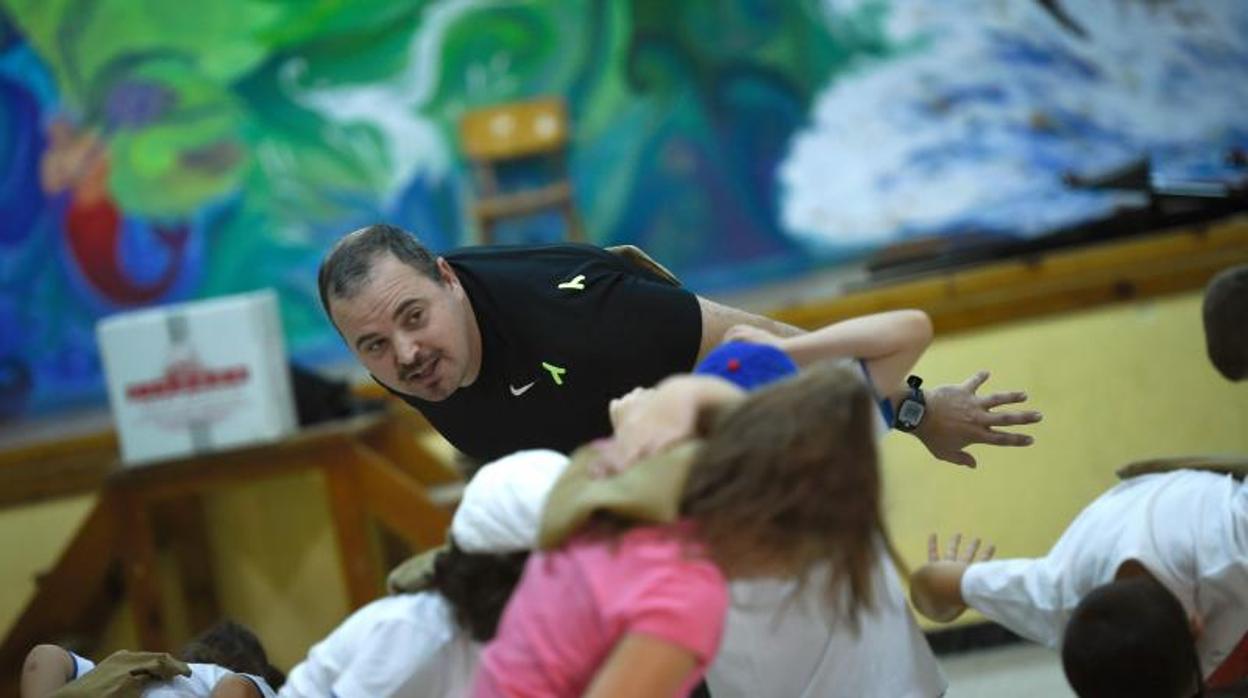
(197, 377)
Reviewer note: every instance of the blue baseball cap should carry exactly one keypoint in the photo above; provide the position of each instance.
(746, 364)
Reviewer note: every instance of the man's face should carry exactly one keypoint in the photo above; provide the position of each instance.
(415, 335)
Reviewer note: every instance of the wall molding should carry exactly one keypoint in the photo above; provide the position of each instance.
(1044, 283)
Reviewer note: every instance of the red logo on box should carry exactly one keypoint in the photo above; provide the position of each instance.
(186, 377)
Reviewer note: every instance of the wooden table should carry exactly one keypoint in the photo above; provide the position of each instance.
(373, 466)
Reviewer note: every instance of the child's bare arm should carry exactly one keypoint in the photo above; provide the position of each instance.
(235, 686)
(936, 587)
(647, 421)
(889, 343)
(47, 668)
(642, 666)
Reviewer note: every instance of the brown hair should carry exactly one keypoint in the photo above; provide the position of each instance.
(789, 478)
(1225, 313)
(235, 647)
(477, 586)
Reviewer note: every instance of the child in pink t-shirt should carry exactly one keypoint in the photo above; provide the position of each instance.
(786, 479)
(574, 604)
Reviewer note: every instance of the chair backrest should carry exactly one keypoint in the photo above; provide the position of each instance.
(514, 130)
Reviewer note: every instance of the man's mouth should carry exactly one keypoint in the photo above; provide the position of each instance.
(422, 372)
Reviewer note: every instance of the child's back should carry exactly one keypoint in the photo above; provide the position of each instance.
(409, 640)
(575, 603)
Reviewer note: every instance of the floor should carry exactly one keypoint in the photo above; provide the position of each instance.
(1017, 671)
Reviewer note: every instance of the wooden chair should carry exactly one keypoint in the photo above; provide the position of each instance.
(494, 136)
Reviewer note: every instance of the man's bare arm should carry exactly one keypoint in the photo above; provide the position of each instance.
(718, 318)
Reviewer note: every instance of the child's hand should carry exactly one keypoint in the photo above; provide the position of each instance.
(649, 421)
(936, 587)
(643, 426)
(951, 552)
(752, 334)
(631, 402)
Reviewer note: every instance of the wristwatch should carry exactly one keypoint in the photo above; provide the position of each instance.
(912, 407)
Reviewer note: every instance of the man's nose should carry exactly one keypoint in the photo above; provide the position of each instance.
(408, 348)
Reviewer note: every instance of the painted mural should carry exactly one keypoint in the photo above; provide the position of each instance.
(154, 152)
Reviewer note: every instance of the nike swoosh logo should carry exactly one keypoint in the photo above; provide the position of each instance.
(521, 390)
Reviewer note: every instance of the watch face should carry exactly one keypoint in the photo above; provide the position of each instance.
(910, 413)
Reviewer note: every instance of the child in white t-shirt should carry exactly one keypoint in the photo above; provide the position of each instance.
(420, 644)
(1145, 593)
(225, 661)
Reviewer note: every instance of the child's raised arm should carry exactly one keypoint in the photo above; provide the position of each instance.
(936, 587)
(888, 343)
(647, 420)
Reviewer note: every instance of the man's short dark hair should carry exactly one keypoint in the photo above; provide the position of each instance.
(350, 262)
(1130, 638)
(1226, 322)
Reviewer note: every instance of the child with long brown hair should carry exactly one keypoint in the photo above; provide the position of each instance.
(784, 480)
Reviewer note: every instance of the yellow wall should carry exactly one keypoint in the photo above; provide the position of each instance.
(31, 539)
(1115, 384)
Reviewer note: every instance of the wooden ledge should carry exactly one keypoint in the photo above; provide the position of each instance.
(1051, 282)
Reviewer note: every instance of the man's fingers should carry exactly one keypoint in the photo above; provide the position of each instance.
(960, 458)
(1007, 398)
(971, 550)
(1012, 418)
(1006, 438)
(954, 543)
(933, 549)
(972, 384)
(992, 550)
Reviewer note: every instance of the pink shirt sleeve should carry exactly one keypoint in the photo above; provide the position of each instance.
(671, 595)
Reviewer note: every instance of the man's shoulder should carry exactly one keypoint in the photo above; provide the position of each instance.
(520, 275)
(526, 254)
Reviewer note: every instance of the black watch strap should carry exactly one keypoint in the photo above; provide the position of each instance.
(913, 406)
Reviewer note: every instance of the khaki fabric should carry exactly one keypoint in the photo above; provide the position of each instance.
(638, 258)
(649, 491)
(413, 575)
(124, 674)
(1236, 466)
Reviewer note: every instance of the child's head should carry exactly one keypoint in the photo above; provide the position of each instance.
(1130, 638)
(477, 586)
(232, 646)
(789, 478)
(1226, 322)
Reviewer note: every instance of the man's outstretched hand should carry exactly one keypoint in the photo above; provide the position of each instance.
(957, 417)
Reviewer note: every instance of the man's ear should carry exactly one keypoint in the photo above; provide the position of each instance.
(446, 273)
